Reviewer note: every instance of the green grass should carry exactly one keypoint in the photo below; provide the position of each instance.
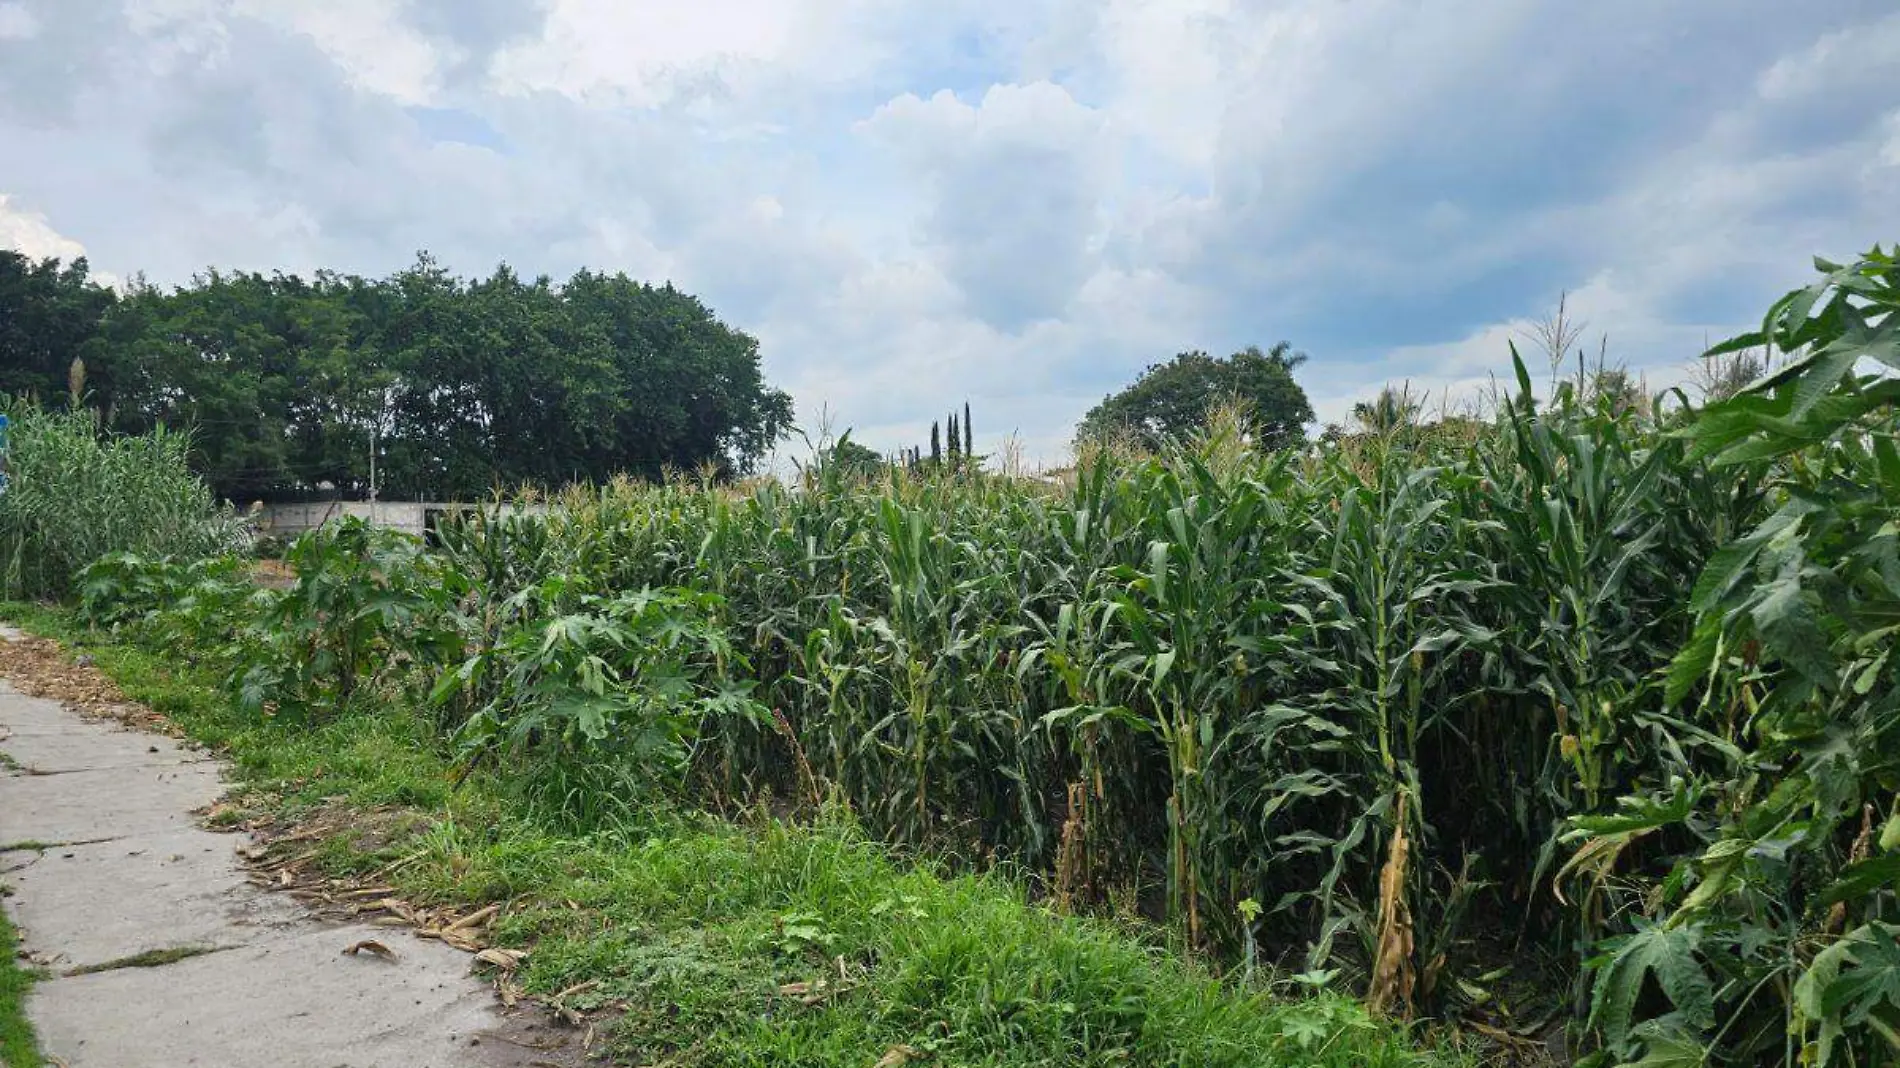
(17, 1046)
(691, 929)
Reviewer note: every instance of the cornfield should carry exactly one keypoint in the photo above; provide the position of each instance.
(1211, 676)
(1585, 697)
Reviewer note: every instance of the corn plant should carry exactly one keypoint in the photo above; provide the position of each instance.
(1400, 710)
(1771, 930)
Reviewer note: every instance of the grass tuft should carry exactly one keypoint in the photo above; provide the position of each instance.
(18, 1048)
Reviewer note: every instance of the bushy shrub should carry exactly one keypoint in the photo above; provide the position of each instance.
(366, 604)
(199, 600)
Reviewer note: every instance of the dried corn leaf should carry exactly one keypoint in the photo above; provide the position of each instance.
(370, 945)
(505, 959)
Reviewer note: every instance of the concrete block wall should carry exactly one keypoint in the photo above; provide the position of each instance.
(410, 517)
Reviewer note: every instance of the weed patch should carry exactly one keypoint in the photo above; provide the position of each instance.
(18, 1049)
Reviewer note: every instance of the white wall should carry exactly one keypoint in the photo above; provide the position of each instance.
(290, 520)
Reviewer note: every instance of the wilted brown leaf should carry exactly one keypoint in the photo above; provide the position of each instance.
(896, 1056)
(474, 919)
(505, 959)
(370, 945)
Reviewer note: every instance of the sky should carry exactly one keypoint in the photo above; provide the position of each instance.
(1018, 203)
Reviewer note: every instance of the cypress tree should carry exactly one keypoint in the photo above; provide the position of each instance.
(936, 444)
(956, 440)
(969, 443)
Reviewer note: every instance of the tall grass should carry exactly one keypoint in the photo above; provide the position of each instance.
(75, 493)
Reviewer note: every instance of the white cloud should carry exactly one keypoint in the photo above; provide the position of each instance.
(1866, 54)
(1014, 186)
(1610, 319)
(1019, 201)
(31, 235)
(17, 23)
(366, 38)
(645, 54)
(1169, 64)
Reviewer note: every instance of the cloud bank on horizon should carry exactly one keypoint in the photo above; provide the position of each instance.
(1017, 202)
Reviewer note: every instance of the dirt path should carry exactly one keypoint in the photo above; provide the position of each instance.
(162, 953)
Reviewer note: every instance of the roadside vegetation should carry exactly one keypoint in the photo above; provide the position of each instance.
(1576, 724)
(17, 1046)
(749, 940)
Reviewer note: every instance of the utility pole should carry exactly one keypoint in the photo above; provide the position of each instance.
(372, 476)
(375, 439)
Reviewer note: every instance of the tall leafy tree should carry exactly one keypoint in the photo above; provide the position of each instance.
(1172, 399)
(458, 386)
(225, 358)
(852, 459)
(49, 317)
(1389, 411)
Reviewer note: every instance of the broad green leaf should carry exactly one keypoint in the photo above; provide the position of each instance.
(1862, 878)
(1786, 620)
(1670, 955)
(1670, 1051)
(1692, 663)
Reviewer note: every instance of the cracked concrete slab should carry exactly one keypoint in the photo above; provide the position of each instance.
(107, 900)
(294, 1000)
(103, 803)
(139, 875)
(76, 748)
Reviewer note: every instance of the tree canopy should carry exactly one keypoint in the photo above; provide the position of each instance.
(852, 459)
(1390, 410)
(49, 315)
(1172, 399)
(463, 385)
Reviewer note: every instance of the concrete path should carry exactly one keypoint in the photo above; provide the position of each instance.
(106, 863)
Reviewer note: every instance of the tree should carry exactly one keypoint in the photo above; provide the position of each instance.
(1390, 410)
(459, 386)
(49, 317)
(1173, 398)
(1720, 376)
(1619, 390)
(849, 458)
(969, 442)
